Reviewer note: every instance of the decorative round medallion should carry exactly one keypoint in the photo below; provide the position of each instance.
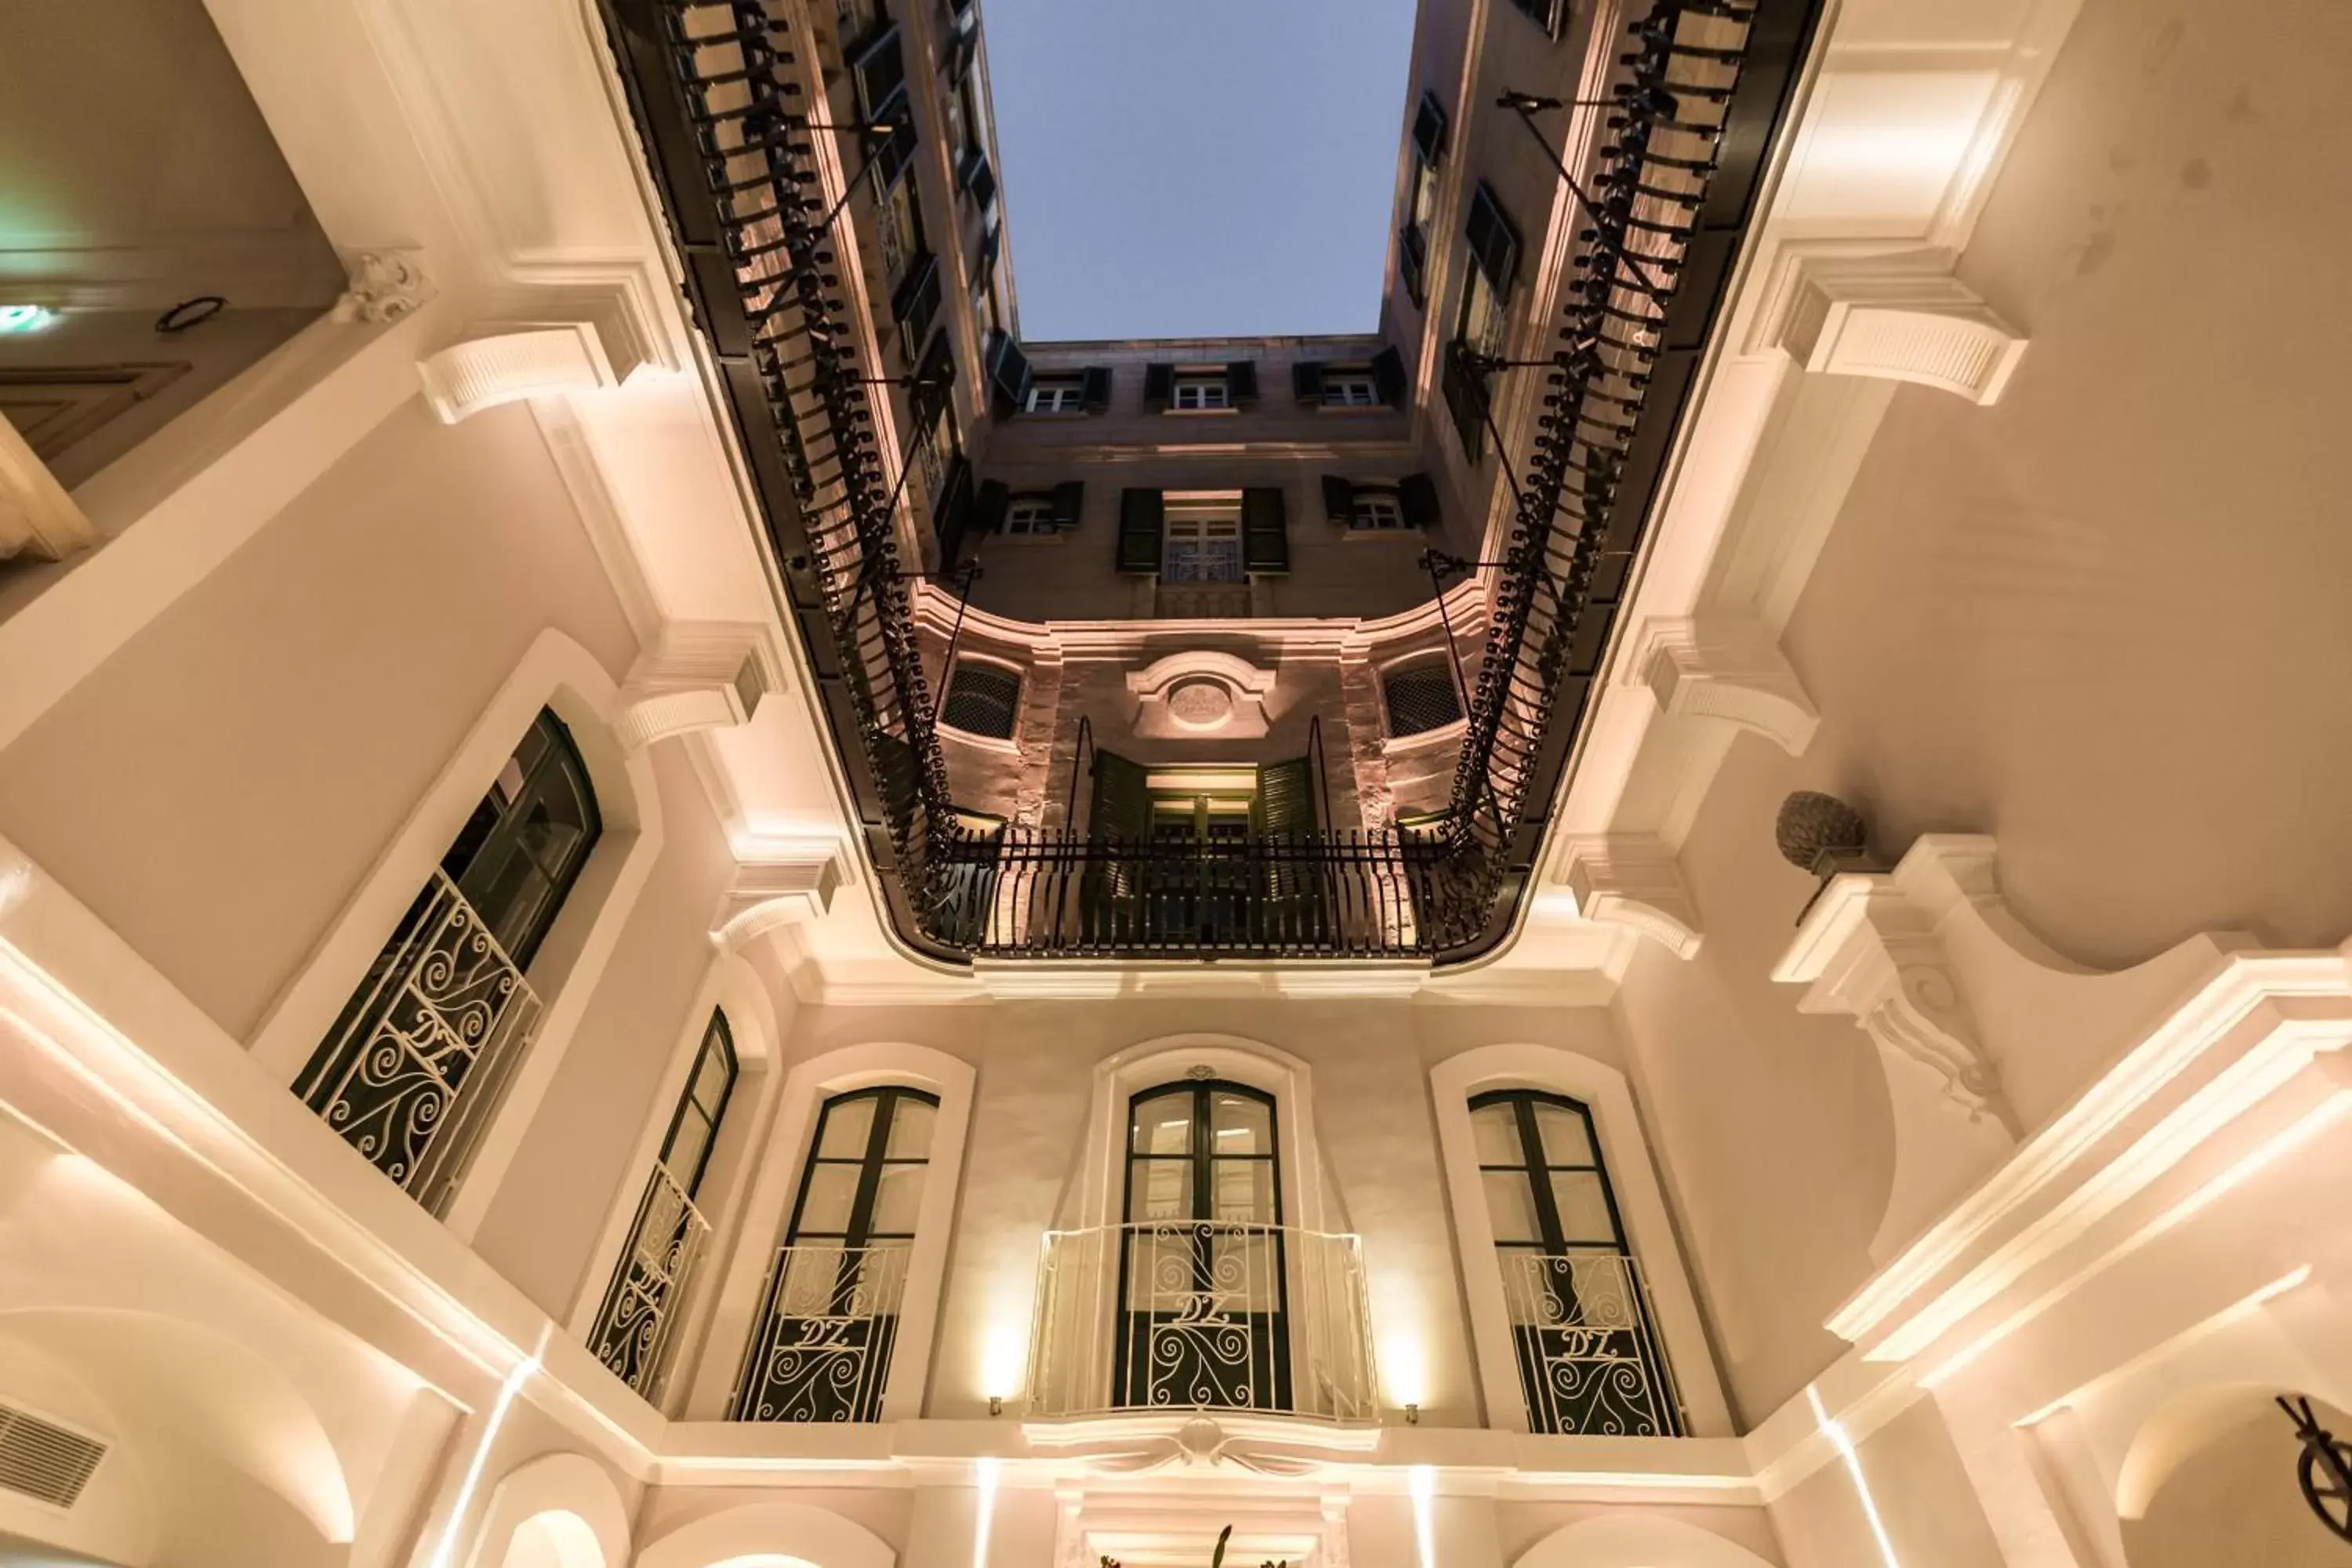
(1201, 704)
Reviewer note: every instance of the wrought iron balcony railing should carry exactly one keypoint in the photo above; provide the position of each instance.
(1693, 107)
(1201, 1315)
(422, 1055)
(636, 1327)
(1585, 1334)
(820, 1348)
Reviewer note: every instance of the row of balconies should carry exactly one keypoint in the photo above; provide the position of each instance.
(1155, 1316)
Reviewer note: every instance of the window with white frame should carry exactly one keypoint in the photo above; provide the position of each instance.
(1376, 508)
(1061, 395)
(1351, 386)
(1201, 394)
(1031, 516)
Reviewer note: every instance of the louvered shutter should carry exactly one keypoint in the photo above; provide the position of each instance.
(1008, 375)
(1241, 384)
(1338, 499)
(1070, 503)
(1286, 798)
(1141, 525)
(952, 513)
(1429, 130)
(1417, 499)
(918, 298)
(1158, 387)
(1265, 531)
(989, 505)
(1122, 800)
(1388, 376)
(1095, 396)
(1307, 380)
(1494, 239)
(934, 385)
(880, 69)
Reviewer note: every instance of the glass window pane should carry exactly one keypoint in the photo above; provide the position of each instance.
(847, 1125)
(1161, 1270)
(1511, 1205)
(553, 827)
(1240, 1125)
(1243, 1189)
(710, 1090)
(1583, 1209)
(687, 1140)
(1159, 1189)
(825, 1211)
(1245, 1271)
(1163, 1124)
(1567, 1140)
(897, 1199)
(910, 1130)
(1494, 1133)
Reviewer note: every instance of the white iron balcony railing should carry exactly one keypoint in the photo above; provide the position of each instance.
(820, 1347)
(422, 1055)
(1201, 1315)
(1590, 1361)
(637, 1329)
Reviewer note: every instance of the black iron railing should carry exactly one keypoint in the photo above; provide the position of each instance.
(720, 103)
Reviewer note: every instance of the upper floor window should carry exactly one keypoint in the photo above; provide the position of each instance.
(1580, 1320)
(1346, 386)
(821, 1345)
(1057, 394)
(1031, 516)
(1420, 198)
(1371, 384)
(1200, 388)
(412, 1067)
(1420, 697)
(983, 699)
(1548, 14)
(635, 1330)
(1381, 506)
(1482, 325)
(1375, 509)
(1201, 393)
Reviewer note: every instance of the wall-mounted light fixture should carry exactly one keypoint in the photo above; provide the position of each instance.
(1413, 1415)
(15, 318)
(996, 1405)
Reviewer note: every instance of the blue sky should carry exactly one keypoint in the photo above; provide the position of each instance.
(1189, 168)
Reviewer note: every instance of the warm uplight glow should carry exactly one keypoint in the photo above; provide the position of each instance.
(1424, 1491)
(507, 1391)
(24, 318)
(1404, 1370)
(986, 1519)
(1844, 1446)
(1003, 1358)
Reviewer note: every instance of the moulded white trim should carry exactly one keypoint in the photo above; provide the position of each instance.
(769, 1532)
(1633, 1540)
(560, 1483)
(1632, 1176)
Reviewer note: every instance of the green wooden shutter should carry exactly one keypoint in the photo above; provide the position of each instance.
(1158, 387)
(1141, 518)
(1307, 380)
(1008, 375)
(1286, 798)
(1494, 239)
(1094, 394)
(1069, 504)
(989, 505)
(880, 69)
(1417, 499)
(1388, 376)
(1338, 499)
(1122, 802)
(1429, 130)
(1241, 384)
(1265, 531)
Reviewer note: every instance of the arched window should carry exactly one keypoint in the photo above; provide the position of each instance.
(414, 1066)
(1580, 1320)
(1203, 1318)
(821, 1345)
(637, 1324)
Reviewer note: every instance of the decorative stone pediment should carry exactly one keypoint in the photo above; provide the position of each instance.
(1198, 1441)
(1199, 694)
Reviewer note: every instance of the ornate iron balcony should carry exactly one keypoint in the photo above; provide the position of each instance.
(1695, 102)
(1590, 1360)
(636, 1327)
(422, 1055)
(1179, 1315)
(820, 1348)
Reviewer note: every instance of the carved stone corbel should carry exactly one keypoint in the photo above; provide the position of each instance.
(1872, 947)
(789, 884)
(699, 675)
(1727, 668)
(1635, 880)
(1903, 317)
(386, 285)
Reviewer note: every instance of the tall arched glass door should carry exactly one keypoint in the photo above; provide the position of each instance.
(416, 1063)
(1580, 1320)
(821, 1348)
(1202, 1299)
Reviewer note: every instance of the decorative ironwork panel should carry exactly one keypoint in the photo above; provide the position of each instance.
(635, 1330)
(424, 1051)
(1589, 1357)
(821, 1350)
(1201, 1315)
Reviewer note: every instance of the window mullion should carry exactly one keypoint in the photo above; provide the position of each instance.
(869, 1172)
